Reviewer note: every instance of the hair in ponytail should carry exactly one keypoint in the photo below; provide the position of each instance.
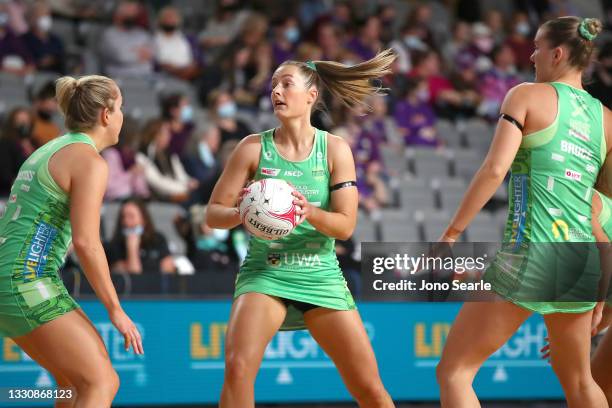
(352, 85)
(80, 99)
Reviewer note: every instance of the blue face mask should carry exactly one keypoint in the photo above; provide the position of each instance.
(227, 110)
(292, 35)
(4, 19)
(186, 114)
(205, 155)
(137, 230)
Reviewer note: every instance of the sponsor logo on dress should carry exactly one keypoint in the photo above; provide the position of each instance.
(268, 155)
(573, 175)
(267, 171)
(555, 212)
(318, 173)
(560, 228)
(580, 152)
(582, 136)
(274, 259)
(36, 256)
(293, 173)
(591, 169)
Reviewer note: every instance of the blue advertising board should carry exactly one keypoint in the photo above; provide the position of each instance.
(184, 346)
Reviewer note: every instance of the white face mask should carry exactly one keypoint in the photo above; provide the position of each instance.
(44, 23)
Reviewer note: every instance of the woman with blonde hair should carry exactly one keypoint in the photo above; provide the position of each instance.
(56, 199)
(272, 295)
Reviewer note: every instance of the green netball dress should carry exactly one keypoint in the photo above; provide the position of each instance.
(35, 234)
(605, 220)
(550, 189)
(301, 266)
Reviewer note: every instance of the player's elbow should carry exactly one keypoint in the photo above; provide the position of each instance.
(494, 170)
(84, 245)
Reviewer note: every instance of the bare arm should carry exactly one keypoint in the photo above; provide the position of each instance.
(340, 221)
(488, 178)
(88, 182)
(222, 212)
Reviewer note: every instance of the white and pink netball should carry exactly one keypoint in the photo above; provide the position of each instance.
(267, 210)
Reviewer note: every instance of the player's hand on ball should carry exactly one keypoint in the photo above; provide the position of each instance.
(243, 192)
(129, 331)
(305, 208)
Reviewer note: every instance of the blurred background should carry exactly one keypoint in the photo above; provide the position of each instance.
(195, 78)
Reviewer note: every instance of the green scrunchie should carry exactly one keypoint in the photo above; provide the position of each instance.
(311, 65)
(584, 30)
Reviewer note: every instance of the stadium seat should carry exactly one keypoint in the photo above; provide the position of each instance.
(393, 159)
(400, 230)
(427, 162)
(448, 133)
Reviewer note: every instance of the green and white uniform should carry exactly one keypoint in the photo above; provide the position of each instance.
(301, 266)
(550, 189)
(35, 233)
(605, 220)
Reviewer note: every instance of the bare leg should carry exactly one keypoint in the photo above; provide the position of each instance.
(570, 348)
(600, 365)
(342, 336)
(254, 320)
(479, 330)
(72, 350)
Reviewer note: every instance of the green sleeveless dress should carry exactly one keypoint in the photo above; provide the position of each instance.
(550, 189)
(35, 233)
(301, 266)
(605, 220)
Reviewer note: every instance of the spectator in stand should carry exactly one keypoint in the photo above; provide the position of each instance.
(494, 20)
(465, 80)
(16, 10)
(414, 116)
(366, 43)
(497, 82)
(600, 85)
(521, 42)
(14, 55)
(460, 40)
(125, 177)
(163, 170)
(247, 62)
(177, 111)
(201, 163)
(308, 51)
(351, 268)
(45, 108)
(46, 48)
(15, 146)
(446, 100)
(223, 111)
(136, 247)
(286, 38)
(478, 51)
(125, 48)
(175, 54)
(221, 29)
(420, 16)
(386, 14)
(329, 39)
(411, 41)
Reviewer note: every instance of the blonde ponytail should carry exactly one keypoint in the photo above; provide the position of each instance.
(352, 85)
(80, 99)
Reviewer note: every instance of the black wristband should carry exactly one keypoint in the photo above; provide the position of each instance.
(342, 185)
(511, 120)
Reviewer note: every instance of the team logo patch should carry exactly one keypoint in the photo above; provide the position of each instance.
(274, 259)
(267, 171)
(318, 173)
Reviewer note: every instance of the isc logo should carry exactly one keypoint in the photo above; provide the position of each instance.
(293, 173)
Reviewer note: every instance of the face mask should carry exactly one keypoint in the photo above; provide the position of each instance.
(205, 155)
(44, 115)
(44, 23)
(484, 44)
(414, 42)
(129, 22)
(227, 110)
(168, 28)
(523, 29)
(186, 114)
(292, 35)
(23, 131)
(137, 230)
(4, 18)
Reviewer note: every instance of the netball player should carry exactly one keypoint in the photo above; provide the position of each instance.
(555, 136)
(274, 290)
(56, 198)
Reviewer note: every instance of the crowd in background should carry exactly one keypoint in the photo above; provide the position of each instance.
(456, 60)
